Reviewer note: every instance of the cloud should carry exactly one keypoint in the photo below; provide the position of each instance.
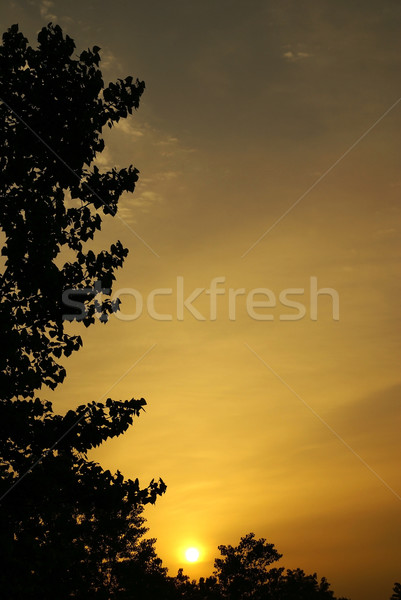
(146, 198)
(389, 232)
(104, 160)
(44, 9)
(67, 19)
(127, 127)
(296, 56)
(141, 201)
(167, 145)
(167, 175)
(381, 408)
(371, 423)
(170, 146)
(109, 60)
(167, 141)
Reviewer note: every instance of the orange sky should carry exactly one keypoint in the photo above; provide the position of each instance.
(289, 429)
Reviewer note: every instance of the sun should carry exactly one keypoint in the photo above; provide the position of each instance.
(192, 554)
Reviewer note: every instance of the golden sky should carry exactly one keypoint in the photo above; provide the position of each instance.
(286, 428)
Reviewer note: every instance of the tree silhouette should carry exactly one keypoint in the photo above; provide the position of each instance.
(70, 528)
(243, 573)
(53, 110)
(204, 589)
(243, 570)
(396, 592)
(295, 584)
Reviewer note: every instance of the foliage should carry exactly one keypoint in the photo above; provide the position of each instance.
(69, 528)
(396, 592)
(204, 589)
(243, 573)
(244, 568)
(296, 585)
(51, 117)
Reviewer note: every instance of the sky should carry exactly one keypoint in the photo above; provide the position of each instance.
(268, 147)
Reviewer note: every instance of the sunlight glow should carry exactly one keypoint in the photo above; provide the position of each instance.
(192, 554)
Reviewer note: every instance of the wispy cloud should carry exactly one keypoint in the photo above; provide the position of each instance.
(167, 141)
(127, 126)
(294, 56)
(141, 201)
(167, 175)
(45, 8)
(388, 232)
(109, 60)
(104, 160)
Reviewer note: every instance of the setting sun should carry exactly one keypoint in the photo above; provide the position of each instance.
(192, 554)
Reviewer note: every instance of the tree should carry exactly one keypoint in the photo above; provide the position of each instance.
(69, 527)
(243, 573)
(396, 592)
(295, 584)
(52, 114)
(187, 589)
(70, 522)
(243, 570)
